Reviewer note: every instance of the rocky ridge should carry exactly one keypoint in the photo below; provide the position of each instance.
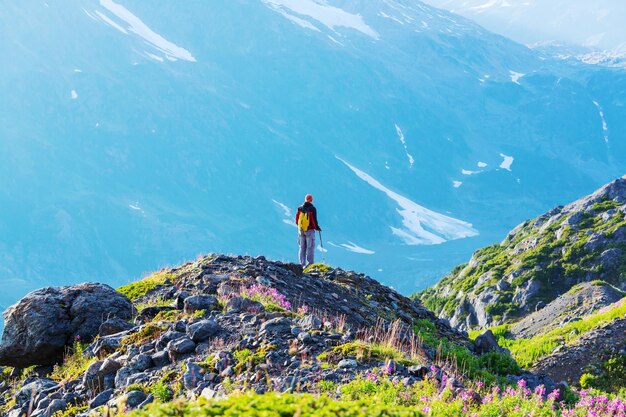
(588, 354)
(224, 323)
(538, 261)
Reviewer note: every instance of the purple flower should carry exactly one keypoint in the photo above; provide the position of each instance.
(540, 390)
(554, 395)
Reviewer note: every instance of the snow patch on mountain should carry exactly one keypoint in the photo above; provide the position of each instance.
(110, 22)
(421, 225)
(515, 76)
(327, 15)
(468, 172)
(605, 128)
(507, 162)
(403, 141)
(300, 22)
(353, 247)
(287, 212)
(138, 27)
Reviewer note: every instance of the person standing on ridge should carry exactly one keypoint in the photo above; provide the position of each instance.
(306, 219)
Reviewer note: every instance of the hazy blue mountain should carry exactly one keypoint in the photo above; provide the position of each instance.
(138, 134)
(597, 24)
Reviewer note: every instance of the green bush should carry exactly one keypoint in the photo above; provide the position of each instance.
(161, 391)
(319, 267)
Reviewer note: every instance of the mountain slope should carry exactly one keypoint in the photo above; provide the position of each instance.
(538, 261)
(226, 325)
(164, 129)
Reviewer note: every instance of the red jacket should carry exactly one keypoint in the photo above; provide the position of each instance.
(310, 208)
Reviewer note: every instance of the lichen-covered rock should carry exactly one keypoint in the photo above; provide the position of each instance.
(40, 325)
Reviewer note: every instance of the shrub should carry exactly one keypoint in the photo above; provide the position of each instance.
(319, 267)
(161, 391)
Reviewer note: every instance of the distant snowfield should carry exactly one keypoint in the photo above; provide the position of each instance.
(507, 162)
(327, 15)
(136, 26)
(421, 225)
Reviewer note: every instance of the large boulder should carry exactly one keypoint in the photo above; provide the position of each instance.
(40, 325)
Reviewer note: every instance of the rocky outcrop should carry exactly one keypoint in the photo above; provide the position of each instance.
(538, 261)
(582, 300)
(248, 323)
(40, 326)
(587, 354)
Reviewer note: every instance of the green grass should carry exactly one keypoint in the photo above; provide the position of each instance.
(140, 288)
(528, 351)
(365, 351)
(146, 333)
(363, 397)
(74, 364)
(247, 359)
(276, 405)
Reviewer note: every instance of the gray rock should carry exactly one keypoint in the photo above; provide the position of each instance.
(134, 398)
(161, 359)
(193, 376)
(109, 366)
(611, 257)
(28, 391)
(54, 407)
(278, 325)
(244, 305)
(311, 322)
(201, 302)
(304, 337)
(114, 325)
(486, 342)
(347, 364)
(149, 399)
(141, 362)
(208, 393)
(181, 346)
(168, 336)
(122, 376)
(202, 330)
(93, 380)
(418, 371)
(40, 325)
(101, 399)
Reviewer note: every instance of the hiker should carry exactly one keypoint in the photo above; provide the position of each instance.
(306, 219)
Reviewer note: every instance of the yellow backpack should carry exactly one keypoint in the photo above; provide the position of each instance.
(303, 220)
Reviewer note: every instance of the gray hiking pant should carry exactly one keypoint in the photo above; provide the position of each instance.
(306, 240)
